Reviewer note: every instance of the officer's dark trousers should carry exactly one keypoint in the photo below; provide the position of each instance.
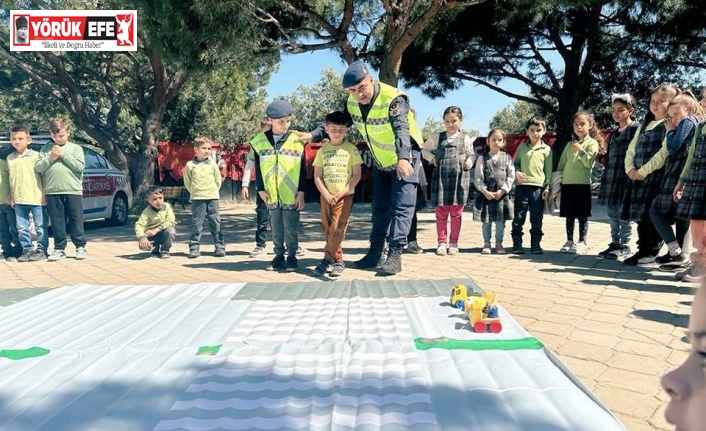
(393, 207)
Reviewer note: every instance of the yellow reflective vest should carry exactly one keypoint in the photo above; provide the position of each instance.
(376, 128)
(280, 169)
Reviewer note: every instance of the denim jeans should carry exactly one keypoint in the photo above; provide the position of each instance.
(620, 230)
(499, 231)
(263, 222)
(24, 234)
(528, 199)
(285, 226)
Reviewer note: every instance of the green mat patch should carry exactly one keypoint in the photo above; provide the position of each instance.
(529, 343)
(351, 289)
(16, 354)
(13, 296)
(208, 350)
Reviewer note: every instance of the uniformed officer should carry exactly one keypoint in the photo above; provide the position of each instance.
(382, 115)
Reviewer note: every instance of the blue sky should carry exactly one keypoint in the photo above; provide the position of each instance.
(478, 103)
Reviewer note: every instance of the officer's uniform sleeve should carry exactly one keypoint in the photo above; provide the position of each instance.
(399, 107)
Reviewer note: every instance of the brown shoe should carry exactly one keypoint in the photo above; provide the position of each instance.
(485, 249)
(499, 249)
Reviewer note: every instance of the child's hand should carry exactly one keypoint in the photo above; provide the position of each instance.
(152, 232)
(144, 244)
(56, 152)
(678, 192)
(577, 147)
(467, 165)
(637, 176)
(244, 193)
(499, 194)
(520, 177)
(264, 196)
(488, 195)
(300, 201)
(10, 201)
(545, 194)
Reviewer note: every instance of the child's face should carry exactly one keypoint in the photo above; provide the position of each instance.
(535, 133)
(61, 137)
(621, 112)
(156, 200)
(676, 113)
(496, 141)
(581, 126)
(202, 151)
(280, 125)
(336, 133)
(22, 33)
(20, 141)
(658, 105)
(452, 123)
(686, 385)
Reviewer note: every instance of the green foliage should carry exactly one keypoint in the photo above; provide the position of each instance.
(312, 103)
(513, 118)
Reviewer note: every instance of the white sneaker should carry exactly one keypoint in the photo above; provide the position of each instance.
(56, 255)
(81, 253)
(453, 249)
(566, 248)
(646, 260)
(441, 250)
(581, 247)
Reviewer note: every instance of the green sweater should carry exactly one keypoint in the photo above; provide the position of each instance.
(4, 183)
(202, 179)
(63, 176)
(535, 162)
(152, 218)
(577, 166)
(25, 182)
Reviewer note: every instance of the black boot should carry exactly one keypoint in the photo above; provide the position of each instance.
(371, 258)
(536, 248)
(517, 245)
(393, 264)
(383, 257)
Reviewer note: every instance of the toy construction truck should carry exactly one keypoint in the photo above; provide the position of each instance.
(481, 310)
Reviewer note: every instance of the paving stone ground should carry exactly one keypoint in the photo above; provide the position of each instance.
(617, 328)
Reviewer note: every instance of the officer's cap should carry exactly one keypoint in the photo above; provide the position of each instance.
(279, 109)
(355, 73)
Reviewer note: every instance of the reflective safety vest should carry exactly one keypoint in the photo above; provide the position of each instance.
(376, 128)
(280, 169)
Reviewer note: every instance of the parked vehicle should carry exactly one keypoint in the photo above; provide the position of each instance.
(106, 189)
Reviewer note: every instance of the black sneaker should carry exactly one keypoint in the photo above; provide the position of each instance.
(634, 259)
(25, 256)
(518, 249)
(536, 249)
(277, 263)
(323, 267)
(668, 258)
(38, 255)
(612, 246)
(623, 251)
(337, 269)
(292, 264)
(413, 248)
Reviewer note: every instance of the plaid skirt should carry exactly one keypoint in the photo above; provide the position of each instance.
(486, 211)
(639, 196)
(692, 205)
(664, 202)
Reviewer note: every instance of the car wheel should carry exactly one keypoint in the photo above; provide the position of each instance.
(118, 214)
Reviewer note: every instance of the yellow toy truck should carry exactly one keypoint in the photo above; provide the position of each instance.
(481, 310)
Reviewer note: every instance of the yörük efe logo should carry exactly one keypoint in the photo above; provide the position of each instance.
(73, 30)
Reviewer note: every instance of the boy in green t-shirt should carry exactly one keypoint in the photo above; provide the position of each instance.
(533, 171)
(62, 163)
(26, 195)
(336, 173)
(155, 229)
(203, 180)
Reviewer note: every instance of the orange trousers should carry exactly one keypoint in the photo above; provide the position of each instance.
(334, 219)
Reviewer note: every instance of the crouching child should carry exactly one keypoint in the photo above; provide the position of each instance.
(155, 229)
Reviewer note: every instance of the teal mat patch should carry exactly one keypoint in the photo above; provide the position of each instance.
(351, 289)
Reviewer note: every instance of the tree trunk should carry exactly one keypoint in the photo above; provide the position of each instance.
(390, 68)
(569, 104)
(143, 175)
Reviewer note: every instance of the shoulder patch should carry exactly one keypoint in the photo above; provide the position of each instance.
(395, 108)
